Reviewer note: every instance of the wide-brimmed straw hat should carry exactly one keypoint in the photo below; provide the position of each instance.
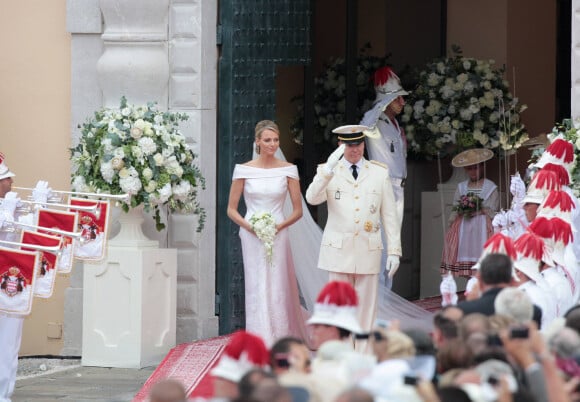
(472, 157)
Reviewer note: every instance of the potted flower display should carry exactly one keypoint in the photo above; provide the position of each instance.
(138, 150)
(461, 103)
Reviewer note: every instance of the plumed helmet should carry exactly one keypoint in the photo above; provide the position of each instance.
(497, 244)
(559, 152)
(337, 305)
(529, 251)
(244, 352)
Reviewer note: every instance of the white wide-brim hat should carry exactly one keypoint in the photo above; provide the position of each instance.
(337, 316)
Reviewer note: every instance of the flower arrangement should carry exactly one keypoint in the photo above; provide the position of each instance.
(330, 99)
(461, 103)
(468, 205)
(138, 150)
(264, 225)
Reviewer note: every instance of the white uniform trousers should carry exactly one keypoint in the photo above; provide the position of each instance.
(399, 199)
(10, 338)
(366, 286)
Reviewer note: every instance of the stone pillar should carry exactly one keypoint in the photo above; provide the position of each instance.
(134, 62)
(193, 90)
(85, 26)
(164, 51)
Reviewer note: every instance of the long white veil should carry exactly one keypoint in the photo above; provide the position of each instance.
(305, 240)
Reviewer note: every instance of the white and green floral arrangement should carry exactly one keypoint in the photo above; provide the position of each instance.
(330, 99)
(138, 150)
(461, 103)
(570, 131)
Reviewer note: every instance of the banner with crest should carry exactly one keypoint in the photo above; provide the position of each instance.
(66, 221)
(46, 273)
(94, 227)
(17, 276)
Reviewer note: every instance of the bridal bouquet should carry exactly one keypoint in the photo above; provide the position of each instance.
(469, 205)
(138, 150)
(461, 103)
(264, 225)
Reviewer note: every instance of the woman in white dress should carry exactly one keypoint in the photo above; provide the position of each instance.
(273, 307)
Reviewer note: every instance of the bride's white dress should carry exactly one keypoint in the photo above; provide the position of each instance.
(273, 307)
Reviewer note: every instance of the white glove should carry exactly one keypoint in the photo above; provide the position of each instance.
(393, 262)
(448, 289)
(372, 133)
(9, 204)
(41, 192)
(334, 157)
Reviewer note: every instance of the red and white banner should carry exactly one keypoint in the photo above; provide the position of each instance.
(17, 276)
(46, 274)
(62, 220)
(94, 227)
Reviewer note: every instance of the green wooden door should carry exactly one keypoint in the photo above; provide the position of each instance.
(255, 36)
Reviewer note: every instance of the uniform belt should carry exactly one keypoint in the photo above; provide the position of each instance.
(398, 181)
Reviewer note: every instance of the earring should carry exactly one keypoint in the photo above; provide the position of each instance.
(257, 149)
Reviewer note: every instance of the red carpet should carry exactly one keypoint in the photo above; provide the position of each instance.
(191, 362)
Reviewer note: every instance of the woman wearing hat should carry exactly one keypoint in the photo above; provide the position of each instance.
(469, 231)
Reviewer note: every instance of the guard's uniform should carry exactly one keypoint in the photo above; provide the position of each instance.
(391, 149)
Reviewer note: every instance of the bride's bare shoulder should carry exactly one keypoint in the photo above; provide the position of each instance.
(252, 163)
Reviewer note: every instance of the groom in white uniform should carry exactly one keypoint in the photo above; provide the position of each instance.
(10, 326)
(360, 201)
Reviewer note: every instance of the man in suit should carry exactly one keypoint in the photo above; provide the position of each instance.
(495, 273)
(360, 200)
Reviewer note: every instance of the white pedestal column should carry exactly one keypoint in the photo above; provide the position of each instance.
(129, 301)
(435, 210)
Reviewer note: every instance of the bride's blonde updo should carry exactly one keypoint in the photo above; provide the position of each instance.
(264, 125)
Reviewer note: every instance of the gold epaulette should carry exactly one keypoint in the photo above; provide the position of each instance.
(379, 164)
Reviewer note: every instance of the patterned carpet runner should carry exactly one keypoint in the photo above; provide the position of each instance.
(190, 363)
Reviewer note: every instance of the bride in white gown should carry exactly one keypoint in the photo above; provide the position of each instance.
(273, 307)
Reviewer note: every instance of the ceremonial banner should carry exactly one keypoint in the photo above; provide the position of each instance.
(94, 228)
(17, 275)
(62, 220)
(46, 273)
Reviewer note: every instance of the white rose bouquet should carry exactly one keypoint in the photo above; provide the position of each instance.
(138, 150)
(461, 103)
(264, 225)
